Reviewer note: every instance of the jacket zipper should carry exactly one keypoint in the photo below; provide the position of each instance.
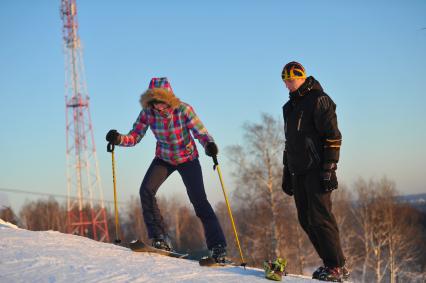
(300, 121)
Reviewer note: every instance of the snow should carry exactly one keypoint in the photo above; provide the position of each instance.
(48, 256)
(7, 224)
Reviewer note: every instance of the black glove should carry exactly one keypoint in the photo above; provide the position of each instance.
(329, 178)
(287, 182)
(211, 149)
(113, 137)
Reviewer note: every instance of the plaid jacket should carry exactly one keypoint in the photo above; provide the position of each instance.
(175, 144)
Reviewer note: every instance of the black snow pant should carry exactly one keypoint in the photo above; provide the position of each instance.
(316, 218)
(193, 179)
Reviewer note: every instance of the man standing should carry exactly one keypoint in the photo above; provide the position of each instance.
(310, 161)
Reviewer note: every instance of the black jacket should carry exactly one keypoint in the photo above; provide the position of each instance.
(310, 124)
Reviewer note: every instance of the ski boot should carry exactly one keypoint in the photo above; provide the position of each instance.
(317, 272)
(331, 274)
(161, 244)
(217, 257)
(345, 273)
(218, 253)
(275, 270)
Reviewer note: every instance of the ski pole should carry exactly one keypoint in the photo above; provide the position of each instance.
(216, 166)
(110, 148)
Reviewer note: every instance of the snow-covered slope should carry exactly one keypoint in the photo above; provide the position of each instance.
(27, 256)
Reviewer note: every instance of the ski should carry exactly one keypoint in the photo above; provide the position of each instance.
(140, 247)
(211, 262)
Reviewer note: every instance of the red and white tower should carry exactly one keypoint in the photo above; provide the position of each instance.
(86, 210)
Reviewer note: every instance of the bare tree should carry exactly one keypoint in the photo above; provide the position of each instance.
(361, 214)
(8, 215)
(403, 234)
(371, 232)
(267, 219)
(342, 204)
(388, 232)
(259, 170)
(183, 226)
(44, 215)
(132, 223)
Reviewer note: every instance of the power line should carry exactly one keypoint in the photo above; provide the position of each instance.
(47, 194)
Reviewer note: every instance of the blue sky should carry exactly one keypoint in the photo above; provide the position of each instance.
(225, 59)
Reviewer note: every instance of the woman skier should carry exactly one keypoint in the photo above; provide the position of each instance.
(171, 121)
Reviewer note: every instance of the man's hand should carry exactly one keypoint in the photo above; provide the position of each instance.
(287, 182)
(329, 178)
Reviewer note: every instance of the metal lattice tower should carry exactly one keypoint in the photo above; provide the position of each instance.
(85, 205)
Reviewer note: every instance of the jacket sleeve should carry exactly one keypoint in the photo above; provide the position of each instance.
(137, 132)
(285, 109)
(194, 124)
(285, 156)
(325, 119)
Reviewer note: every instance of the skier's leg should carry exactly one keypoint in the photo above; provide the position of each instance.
(323, 222)
(193, 179)
(303, 207)
(154, 177)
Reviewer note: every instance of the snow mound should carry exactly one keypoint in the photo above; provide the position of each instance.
(48, 256)
(5, 224)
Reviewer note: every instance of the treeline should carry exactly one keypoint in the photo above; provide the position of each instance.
(48, 214)
(384, 240)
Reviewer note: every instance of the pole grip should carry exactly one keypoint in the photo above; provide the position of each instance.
(110, 147)
(216, 163)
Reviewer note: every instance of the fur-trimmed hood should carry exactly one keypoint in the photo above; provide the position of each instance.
(159, 94)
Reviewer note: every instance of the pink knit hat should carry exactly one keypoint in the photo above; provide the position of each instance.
(160, 83)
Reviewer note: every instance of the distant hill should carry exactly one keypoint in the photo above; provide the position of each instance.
(417, 201)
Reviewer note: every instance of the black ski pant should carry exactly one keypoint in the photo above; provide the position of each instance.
(192, 177)
(316, 218)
